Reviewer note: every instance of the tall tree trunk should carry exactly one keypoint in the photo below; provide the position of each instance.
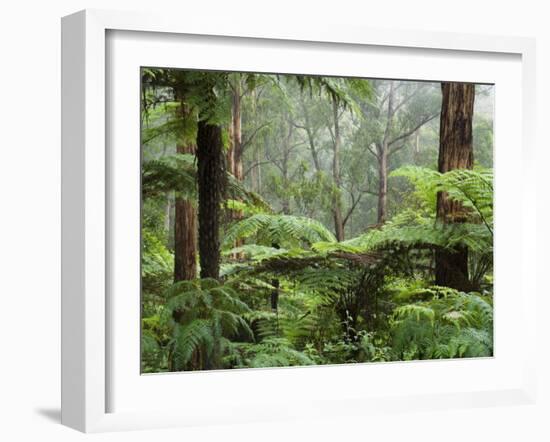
(284, 168)
(235, 153)
(310, 135)
(236, 132)
(255, 172)
(211, 183)
(416, 152)
(382, 184)
(455, 152)
(285, 199)
(337, 200)
(185, 234)
(383, 153)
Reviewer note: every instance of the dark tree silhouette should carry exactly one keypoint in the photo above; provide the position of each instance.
(211, 182)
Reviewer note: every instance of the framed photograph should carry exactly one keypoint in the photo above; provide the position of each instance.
(250, 213)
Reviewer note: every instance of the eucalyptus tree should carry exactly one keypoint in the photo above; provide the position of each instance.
(243, 86)
(171, 89)
(337, 101)
(399, 111)
(455, 152)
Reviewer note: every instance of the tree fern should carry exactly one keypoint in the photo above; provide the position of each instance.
(473, 188)
(451, 324)
(202, 313)
(178, 173)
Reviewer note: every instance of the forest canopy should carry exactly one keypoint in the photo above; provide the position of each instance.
(292, 220)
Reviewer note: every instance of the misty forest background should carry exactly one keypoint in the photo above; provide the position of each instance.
(299, 220)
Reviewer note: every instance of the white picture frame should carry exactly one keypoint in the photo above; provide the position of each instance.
(86, 357)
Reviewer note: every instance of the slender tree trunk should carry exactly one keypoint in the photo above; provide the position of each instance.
(285, 200)
(383, 153)
(211, 183)
(274, 298)
(382, 184)
(284, 168)
(416, 153)
(338, 224)
(313, 150)
(255, 172)
(337, 201)
(230, 155)
(237, 133)
(185, 234)
(310, 136)
(455, 152)
(234, 154)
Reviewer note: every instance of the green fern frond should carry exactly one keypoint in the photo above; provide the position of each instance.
(417, 310)
(282, 230)
(189, 338)
(202, 313)
(255, 252)
(227, 298)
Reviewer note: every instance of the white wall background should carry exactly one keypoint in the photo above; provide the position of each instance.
(30, 215)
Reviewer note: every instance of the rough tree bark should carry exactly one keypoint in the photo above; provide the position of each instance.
(211, 183)
(455, 152)
(185, 216)
(185, 234)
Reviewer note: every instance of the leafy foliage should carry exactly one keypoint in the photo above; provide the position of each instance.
(282, 230)
(473, 188)
(449, 325)
(157, 264)
(171, 173)
(178, 173)
(203, 315)
(289, 293)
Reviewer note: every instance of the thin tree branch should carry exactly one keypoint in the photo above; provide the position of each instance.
(352, 208)
(396, 149)
(412, 131)
(372, 152)
(253, 166)
(408, 98)
(245, 143)
(298, 126)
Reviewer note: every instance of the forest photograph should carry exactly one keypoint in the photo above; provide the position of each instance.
(301, 220)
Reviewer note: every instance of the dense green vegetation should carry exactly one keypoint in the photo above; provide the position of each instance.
(294, 220)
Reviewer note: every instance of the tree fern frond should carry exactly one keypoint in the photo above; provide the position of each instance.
(281, 230)
(189, 338)
(255, 252)
(227, 298)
